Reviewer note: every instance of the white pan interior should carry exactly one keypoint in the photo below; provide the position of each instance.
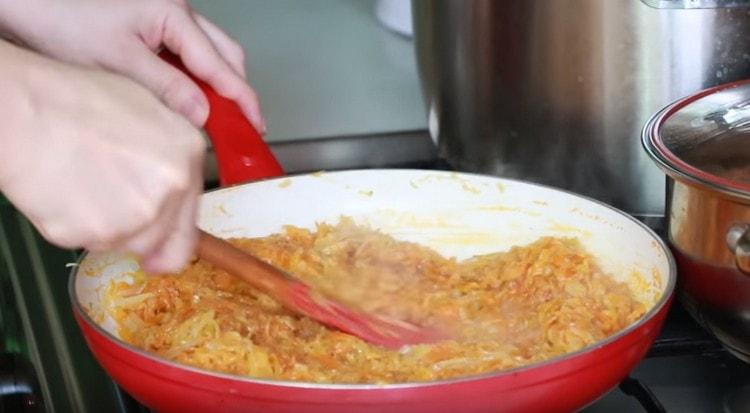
(457, 214)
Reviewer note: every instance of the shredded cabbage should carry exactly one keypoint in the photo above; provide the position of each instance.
(509, 309)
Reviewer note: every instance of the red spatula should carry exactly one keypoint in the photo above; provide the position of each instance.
(300, 298)
(243, 156)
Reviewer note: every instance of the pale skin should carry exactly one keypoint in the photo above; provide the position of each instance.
(100, 142)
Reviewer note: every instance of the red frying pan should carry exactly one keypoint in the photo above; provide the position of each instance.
(485, 214)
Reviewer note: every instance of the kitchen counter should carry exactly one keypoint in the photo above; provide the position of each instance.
(323, 68)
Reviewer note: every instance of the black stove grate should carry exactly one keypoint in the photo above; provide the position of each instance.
(643, 394)
(680, 337)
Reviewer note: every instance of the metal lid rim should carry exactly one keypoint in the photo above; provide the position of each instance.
(673, 165)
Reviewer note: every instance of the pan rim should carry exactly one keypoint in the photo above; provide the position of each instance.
(665, 298)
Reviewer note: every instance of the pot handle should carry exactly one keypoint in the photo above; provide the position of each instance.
(241, 153)
(738, 241)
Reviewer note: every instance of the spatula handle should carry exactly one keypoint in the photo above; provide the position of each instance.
(241, 153)
(231, 259)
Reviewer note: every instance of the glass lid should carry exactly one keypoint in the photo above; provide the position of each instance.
(706, 138)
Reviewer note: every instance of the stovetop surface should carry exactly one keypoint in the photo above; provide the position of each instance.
(687, 370)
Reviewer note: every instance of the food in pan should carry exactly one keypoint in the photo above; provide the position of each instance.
(508, 309)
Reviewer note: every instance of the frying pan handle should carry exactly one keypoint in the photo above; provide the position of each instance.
(738, 241)
(241, 153)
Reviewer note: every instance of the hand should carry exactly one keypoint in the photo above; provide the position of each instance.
(123, 36)
(94, 160)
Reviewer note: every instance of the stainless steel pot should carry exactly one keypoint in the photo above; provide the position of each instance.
(557, 91)
(703, 144)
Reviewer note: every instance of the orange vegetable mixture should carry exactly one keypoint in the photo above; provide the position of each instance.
(508, 309)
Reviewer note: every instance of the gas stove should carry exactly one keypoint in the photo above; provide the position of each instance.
(46, 366)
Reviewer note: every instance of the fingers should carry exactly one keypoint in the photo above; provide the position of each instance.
(184, 37)
(173, 87)
(227, 48)
(167, 241)
(177, 244)
(154, 234)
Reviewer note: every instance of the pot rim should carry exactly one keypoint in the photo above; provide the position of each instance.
(655, 309)
(676, 167)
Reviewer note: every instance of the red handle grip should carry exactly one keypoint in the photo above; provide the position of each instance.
(241, 153)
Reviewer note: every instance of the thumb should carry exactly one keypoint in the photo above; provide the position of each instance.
(172, 86)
